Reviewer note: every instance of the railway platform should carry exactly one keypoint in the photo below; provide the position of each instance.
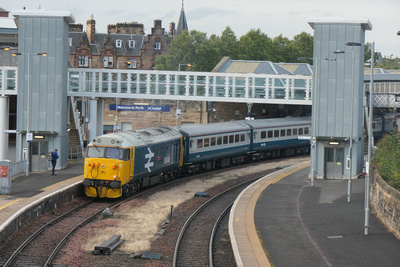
(34, 191)
(295, 224)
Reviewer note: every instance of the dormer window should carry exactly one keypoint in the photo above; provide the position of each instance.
(118, 43)
(132, 43)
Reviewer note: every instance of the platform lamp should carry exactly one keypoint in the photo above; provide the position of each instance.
(178, 112)
(349, 187)
(28, 133)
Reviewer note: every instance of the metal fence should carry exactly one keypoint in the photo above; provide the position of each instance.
(8, 170)
(75, 152)
(18, 167)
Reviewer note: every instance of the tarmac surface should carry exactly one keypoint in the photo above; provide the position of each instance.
(300, 225)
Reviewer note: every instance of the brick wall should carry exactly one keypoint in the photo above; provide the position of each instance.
(385, 202)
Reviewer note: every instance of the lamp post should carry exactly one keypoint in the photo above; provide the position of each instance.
(28, 106)
(370, 143)
(370, 135)
(178, 111)
(349, 187)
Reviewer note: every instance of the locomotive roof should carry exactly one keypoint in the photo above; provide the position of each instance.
(278, 122)
(137, 137)
(212, 128)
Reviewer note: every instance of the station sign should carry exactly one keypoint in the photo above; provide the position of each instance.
(140, 108)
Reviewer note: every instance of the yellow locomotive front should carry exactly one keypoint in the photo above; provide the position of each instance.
(108, 168)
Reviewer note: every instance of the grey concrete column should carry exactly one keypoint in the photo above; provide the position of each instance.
(95, 118)
(3, 126)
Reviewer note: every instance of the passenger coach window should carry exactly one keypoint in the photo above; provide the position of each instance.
(242, 137)
(199, 143)
(283, 132)
(230, 139)
(289, 132)
(300, 131)
(219, 140)
(270, 135)
(212, 141)
(276, 133)
(306, 130)
(206, 142)
(237, 138)
(263, 134)
(225, 139)
(295, 131)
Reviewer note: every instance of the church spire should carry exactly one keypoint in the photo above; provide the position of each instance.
(182, 24)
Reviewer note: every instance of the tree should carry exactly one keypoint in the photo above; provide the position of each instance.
(229, 46)
(387, 157)
(255, 45)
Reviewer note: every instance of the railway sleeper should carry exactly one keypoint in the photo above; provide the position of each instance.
(108, 246)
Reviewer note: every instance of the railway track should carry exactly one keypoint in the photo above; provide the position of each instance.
(194, 246)
(40, 248)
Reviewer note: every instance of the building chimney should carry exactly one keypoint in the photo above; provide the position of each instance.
(172, 28)
(157, 23)
(91, 29)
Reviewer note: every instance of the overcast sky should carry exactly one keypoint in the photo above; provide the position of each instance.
(286, 17)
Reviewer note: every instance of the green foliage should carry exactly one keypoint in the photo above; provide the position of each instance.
(387, 159)
(204, 53)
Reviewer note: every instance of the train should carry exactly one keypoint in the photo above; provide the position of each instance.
(383, 123)
(117, 164)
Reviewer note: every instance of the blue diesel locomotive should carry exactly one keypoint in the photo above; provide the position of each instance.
(119, 163)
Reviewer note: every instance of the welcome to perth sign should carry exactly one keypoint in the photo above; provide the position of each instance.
(140, 108)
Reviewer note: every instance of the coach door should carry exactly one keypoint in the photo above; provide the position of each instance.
(334, 163)
(39, 156)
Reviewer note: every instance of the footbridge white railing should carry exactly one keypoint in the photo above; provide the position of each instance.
(196, 86)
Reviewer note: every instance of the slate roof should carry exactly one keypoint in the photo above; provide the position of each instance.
(100, 38)
(249, 66)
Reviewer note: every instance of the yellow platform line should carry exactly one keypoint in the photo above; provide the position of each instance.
(10, 203)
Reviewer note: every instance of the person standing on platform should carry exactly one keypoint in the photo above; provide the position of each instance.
(54, 157)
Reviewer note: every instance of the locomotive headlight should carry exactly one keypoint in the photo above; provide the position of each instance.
(115, 177)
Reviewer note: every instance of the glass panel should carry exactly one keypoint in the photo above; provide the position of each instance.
(35, 148)
(330, 155)
(276, 133)
(1, 79)
(133, 81)
(73, 81)
(104, 83)
(114, 82)
(124, 83)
